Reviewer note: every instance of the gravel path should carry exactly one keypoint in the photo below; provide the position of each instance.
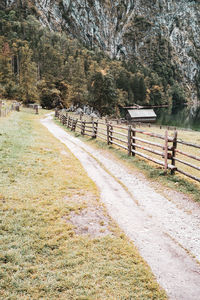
(166, 230)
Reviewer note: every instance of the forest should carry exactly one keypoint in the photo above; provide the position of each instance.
(53, 69)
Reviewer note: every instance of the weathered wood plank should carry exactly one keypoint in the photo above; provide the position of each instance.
(148, 149)
(87, 130)
(121, 127)
(120, 140)
(101, 132)
(153, 159)
(120, 133)
(188, 175)
(187, 163)
(149, 142)
(121, 146)
(188, 144)
(159, 136)
(188, 155)
(166, 150)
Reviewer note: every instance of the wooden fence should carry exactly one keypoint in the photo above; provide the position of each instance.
(4, 111)
(34, 107)
(163, 150)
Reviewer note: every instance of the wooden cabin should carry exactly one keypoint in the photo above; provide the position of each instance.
(141, 115)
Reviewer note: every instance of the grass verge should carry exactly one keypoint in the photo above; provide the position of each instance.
(41, 257)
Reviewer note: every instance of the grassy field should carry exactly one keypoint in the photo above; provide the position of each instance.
(42, 255)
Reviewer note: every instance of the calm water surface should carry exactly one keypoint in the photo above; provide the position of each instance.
(184, 118)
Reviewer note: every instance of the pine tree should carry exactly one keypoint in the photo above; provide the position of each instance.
(77, 80)
(103, 93)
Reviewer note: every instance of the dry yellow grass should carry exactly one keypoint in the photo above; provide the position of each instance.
(41, 255)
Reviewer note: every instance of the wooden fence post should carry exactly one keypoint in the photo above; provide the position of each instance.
(76, 124)
(93, 134)
(68, 122)
(166, 150)
(94, 129)
(133, 140)
(63, 120)
(108, 133)
(72, 124)
(111, 128)
(174, 151)
(66, 118)
(36, 109)
(129, 140)
(83, 127)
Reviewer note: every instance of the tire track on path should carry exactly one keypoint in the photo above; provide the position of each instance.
(163, 233)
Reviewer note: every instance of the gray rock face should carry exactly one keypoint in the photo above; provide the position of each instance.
(79, 111)
(133, 28)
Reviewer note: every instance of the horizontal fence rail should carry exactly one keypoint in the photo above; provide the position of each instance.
(163, 150)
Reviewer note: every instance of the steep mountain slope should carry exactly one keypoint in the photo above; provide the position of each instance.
(163, 35)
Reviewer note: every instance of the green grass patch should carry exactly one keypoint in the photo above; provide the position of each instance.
(41, 257)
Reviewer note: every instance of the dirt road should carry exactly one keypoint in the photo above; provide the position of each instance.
(166, 230)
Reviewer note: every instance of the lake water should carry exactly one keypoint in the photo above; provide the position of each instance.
(184, 118)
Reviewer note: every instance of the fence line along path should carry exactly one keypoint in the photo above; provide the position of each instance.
(6, 109)
(167, 151)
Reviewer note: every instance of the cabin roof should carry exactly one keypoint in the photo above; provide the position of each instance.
(142, 113)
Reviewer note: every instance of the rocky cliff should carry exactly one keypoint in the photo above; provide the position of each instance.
(160, 34)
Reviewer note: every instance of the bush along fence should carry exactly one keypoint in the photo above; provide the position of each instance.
(5, 110)
(142, 143)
